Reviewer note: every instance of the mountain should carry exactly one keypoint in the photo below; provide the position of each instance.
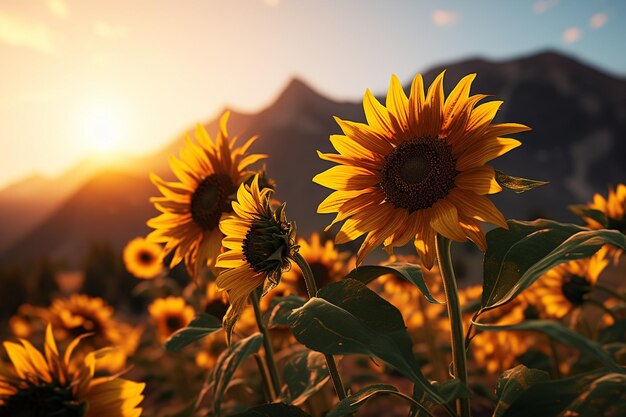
(578, 116)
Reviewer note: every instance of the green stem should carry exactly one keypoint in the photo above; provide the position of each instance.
(311, 288)
(267, 344)
(459, 360)
(267, 384)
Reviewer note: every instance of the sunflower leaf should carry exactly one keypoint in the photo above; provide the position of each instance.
(517, 184)
(517, 257)
(585, 211)
(352, 403)
(227, 364)
(280, 308)
(348, 318)
(564, 335)
(409, 272)
(512, 384)
(273, 410)
(305, 374)
(534, 396)
(201, 326)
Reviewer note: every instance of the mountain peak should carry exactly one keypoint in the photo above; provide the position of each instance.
(297, 91)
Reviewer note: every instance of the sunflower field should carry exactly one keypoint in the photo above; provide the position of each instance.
(237, 314)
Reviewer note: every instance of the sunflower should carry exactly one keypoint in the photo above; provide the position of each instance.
(170, 314)
(501, 350)
(259, 241)
(63, 386)
(613, 207)
(327, 264)
(143, 259)
(209, 174)
(417, 169)
(568, 286)
(80, 314)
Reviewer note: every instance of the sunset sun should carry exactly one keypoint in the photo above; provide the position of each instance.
(102, 127)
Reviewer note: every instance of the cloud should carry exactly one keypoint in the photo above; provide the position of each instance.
(598, 20)
(571, 35)
(107, 30)
(272, 3)
(541, 6)
(18, 31)
(445, 17)
(59, 8)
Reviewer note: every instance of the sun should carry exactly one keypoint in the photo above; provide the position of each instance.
(102, 127)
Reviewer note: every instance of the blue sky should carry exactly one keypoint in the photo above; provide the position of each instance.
(80, 78)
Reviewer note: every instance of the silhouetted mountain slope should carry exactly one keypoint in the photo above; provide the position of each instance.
(112, 208)
(578, 115)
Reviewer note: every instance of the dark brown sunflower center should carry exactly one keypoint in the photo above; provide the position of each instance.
(174, 323)
(266, 245)
(42, 400)
(211, 199)
(575, 288)
(418, 173)
(145, 257)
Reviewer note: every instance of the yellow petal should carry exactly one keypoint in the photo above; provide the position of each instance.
(445, 220)
(480, 180)
(346, 178)
(484, 151)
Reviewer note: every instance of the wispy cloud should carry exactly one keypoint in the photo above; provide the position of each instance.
(571, 35)
(107, 30)
(541, 6)
(445, 17)
(59, 8)
(598, 20)
(19, 31)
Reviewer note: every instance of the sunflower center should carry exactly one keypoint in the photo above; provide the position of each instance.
(145, 257)
(174, 323)
(418, 173)
(211, 199)
(43, 400)
(266, 245)
(575, 288)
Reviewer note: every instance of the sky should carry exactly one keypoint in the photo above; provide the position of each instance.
(81, 78)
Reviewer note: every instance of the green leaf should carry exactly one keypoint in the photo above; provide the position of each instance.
(517, 257)
(305, 374)
(453, 389)
(548, 398)
(402, 270)
(585, 211)
(348, 318)
(606, 397)
(201, 326)
(227, 364)
(352, 403)
(517, 184)
(273, 410)
(564, 335)
(512, 384)
(280, 308)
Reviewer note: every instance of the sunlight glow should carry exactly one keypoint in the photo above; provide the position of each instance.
(102, 128)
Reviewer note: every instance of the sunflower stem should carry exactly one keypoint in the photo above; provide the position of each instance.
(459, 359)
(311, 288)
(267, 345)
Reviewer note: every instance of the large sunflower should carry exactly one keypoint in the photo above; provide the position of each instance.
(63, 386)
(327, 264)
(417, 168)
(259, 241)
(143, 259)
(209, 174)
